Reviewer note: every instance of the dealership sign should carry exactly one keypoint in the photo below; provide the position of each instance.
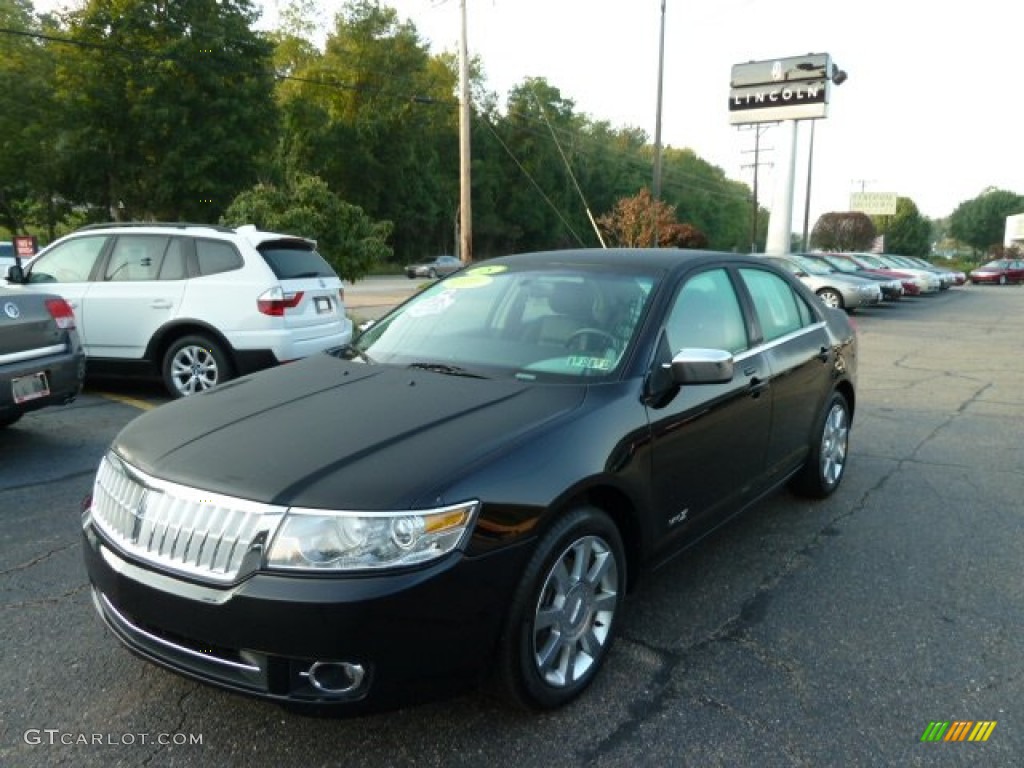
(793, 88)
(874, 203)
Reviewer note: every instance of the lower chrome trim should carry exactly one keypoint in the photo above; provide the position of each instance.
(251, 674)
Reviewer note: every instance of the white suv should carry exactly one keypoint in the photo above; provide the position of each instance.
(195, 304)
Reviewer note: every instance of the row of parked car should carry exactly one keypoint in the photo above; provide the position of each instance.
(195, 305)
(853, 280)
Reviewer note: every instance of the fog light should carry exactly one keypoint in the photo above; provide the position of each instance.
(335, 678)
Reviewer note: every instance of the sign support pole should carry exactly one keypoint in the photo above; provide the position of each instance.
(780, 221)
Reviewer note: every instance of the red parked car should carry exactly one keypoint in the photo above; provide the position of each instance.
(999, 272)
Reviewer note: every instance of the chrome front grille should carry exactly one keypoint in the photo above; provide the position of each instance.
(207, 536)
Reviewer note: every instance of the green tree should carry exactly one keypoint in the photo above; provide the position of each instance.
(705, 197)
(906, 232)
(27, 112)
(371, 115)
(349, 239)
(981, 222)
(168, 106)
(843, 231)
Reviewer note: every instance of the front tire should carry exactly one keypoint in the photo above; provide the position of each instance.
(565, 612)
(194, 364)
(826, 460)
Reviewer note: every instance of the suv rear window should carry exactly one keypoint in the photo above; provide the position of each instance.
(291, 259)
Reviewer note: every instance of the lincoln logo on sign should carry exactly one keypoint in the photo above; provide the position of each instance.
(793, 88)
(792, 94)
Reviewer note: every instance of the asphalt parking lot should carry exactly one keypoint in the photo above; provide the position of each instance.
(800, 635)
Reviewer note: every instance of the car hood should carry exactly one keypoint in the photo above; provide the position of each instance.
(328, 433)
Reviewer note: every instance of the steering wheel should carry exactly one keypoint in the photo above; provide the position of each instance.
(592, 332)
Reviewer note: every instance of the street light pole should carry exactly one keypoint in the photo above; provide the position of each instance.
(656, 182)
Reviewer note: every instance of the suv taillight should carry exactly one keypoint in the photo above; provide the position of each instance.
(62, 313)
(275, 301)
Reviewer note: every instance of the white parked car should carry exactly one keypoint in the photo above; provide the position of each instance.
(194, 304)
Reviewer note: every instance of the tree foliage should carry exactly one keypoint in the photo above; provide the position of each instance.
(981, 222)
(843, 231)
(906, 232)
(27, 112)
(349, 239)
(643, 222)
(167, 106)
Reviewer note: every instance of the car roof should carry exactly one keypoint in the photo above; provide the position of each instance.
(649, 258)
(248, 232)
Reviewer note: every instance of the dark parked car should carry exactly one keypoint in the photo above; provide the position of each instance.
(999, 272)
(471, 487)
(41, 359)
(439, 267)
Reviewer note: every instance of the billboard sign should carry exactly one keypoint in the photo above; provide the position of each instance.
(792, 88)
(874, 203)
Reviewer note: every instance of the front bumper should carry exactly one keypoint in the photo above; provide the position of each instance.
(413, 635)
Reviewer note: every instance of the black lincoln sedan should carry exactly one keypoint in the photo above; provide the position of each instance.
(471, 487)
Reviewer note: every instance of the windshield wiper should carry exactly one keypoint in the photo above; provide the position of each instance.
(348, 351)
(448, 370)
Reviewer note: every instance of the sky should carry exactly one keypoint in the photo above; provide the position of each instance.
(933, 108)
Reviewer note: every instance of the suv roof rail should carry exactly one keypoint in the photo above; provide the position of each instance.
(175, 224)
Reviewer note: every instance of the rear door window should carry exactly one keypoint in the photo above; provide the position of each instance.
(780, 310)
(136, 257)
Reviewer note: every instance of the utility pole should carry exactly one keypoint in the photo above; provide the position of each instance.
(758, 130)
(465, 196)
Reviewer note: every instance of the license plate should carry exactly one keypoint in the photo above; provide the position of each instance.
(323, 305)
(30, 387)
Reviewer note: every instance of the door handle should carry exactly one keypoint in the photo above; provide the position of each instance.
(160, 304)
(757, 386)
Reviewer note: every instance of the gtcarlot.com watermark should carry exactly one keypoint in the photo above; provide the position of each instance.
(57, 737)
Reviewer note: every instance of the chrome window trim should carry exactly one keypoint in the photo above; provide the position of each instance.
(766, 346)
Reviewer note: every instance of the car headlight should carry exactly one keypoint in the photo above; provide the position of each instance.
(320, 540)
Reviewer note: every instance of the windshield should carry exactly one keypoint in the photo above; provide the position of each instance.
(841, 265)
(812, 267)
(531, 323)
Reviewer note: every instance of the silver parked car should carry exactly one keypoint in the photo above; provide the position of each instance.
(847, 292)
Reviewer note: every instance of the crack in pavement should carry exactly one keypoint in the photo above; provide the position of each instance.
(39, 559)
(44, 600)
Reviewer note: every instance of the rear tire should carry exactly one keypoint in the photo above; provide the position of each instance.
(826, 460)
(565, 612)
(194, 364)
(831, 298)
